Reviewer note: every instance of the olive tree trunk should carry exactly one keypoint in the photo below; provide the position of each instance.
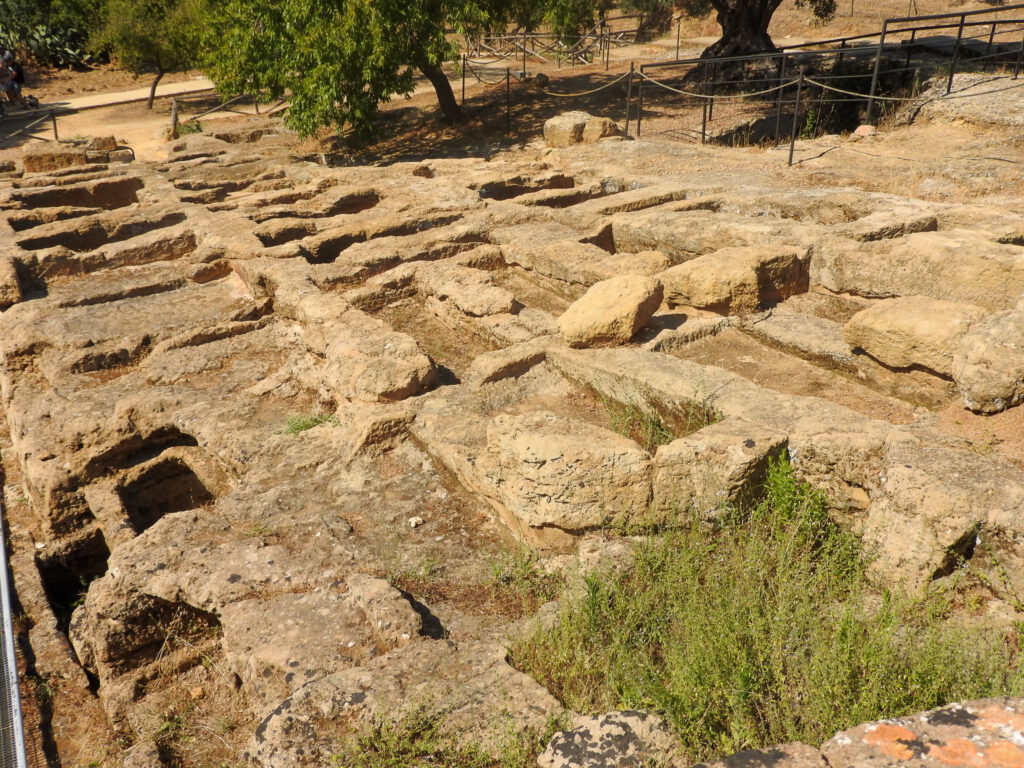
(744, 27)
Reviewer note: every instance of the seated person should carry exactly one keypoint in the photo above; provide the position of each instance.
(12, 78)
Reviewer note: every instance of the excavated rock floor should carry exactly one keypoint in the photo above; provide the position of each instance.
(187, 553)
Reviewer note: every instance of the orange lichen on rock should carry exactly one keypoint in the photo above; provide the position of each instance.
(992, 718)
(1005, 754)
(893, 740)
(958, 752)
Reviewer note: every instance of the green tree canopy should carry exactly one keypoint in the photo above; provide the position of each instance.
(340, 58)
(152, 35)
(51, 31)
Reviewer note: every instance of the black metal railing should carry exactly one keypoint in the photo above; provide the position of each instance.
(804, 90)
(12, 733)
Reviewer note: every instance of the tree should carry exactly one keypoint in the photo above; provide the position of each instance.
(152, 35)
(51, 31)
(339, 58)
(744, 23)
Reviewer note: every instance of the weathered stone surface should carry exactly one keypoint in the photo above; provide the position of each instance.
(629, 739)
(670, 335)
(935, 505)
(737, 280)
(470, 686)
(793, 755)
(984, 733)
(279, 643)
(471, 290)
(714, 468)
(49, 158)
(683, 235)
(565, 129)
(142, 755)
(959, 265)
(566, 475)
(611, 311)
(598, 128)
(363, 358)
(919, 502)
(199, 386)
(506, 363)
(10, 286)
(102, 143)
(912, 331)
(808, 336)
(988, 366)
(586, 264)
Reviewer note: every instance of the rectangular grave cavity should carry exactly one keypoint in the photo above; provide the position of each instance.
(516, 186)
(86, 235)
(66, 575)
(160, 487)
(106, 193)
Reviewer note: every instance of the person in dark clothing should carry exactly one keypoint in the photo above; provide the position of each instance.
(12, 79)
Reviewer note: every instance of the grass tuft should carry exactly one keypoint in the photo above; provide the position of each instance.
(632, 421)
(520, 585)
(301, 423)
(763, 631)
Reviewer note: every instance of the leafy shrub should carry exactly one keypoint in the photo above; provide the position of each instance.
(51, 32)
(763, 631)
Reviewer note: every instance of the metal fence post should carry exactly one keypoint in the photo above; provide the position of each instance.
(988, 48)
(874, 75)
(508, 100)
(629, 94)
(1020, 55)
(913, 36)
(796, 116)
(711, 102)
(174, 118)
(956, 54)
(463, 79)
(679, 28)
(639, 100)
(782, 90)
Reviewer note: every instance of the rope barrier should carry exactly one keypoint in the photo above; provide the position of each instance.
(719, 97)
(587, 93)
(876, 97)
(907, 98)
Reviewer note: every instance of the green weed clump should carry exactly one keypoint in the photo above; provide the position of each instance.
(762, 631)
(184, 129)
(419, 740)
(632, 421)
(301, 423)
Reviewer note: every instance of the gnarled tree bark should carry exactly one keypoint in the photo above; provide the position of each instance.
(744, 27)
